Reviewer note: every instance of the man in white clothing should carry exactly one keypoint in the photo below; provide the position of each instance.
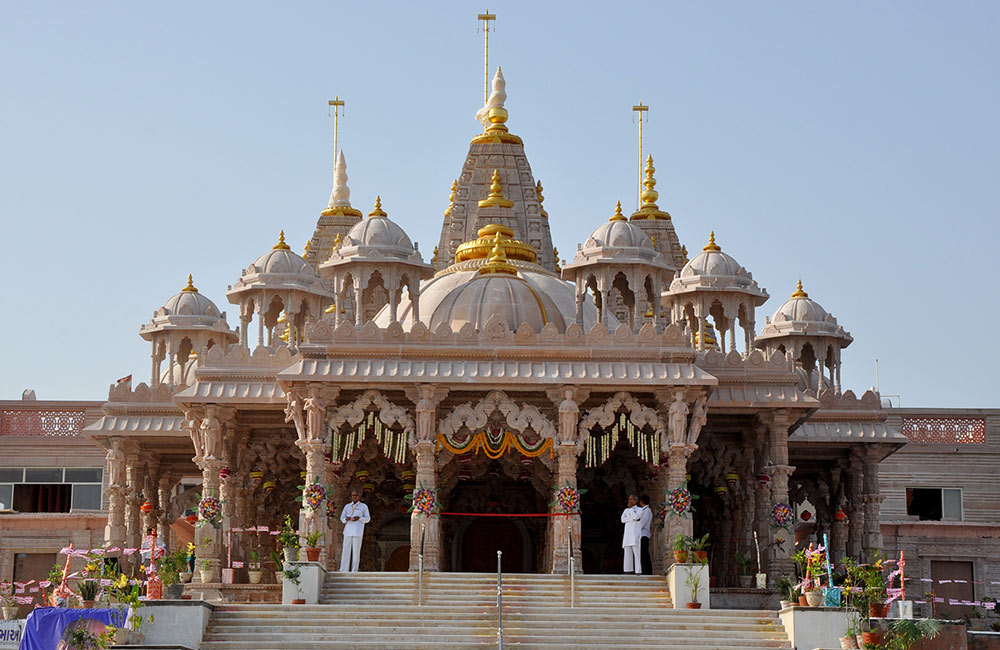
(631, 517)
(354, 517)
(645, 521)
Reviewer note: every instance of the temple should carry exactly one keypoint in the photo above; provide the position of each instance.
(491, 376)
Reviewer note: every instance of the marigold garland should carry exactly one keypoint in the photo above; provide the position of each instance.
(424, 501)
(568, 499)
(496, 444)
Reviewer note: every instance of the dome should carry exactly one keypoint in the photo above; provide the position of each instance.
(279, 269)
(800, 307)
(281, 260)
(618, 233)
(507, 296)
(711, 261)
(188, 311)
(189, 302)
(378, 236)
(800, 315)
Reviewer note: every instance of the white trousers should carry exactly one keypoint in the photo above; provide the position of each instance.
(350, 554)
(633, 559)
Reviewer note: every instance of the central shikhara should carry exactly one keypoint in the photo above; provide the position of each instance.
(496, 379)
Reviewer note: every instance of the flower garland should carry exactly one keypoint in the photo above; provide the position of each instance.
(568, 499)
(680, 501)
(210, 511)
(312, 495)
(661, 514)
(782, 516)
(495, 443)
(331, 509)
(424, 501)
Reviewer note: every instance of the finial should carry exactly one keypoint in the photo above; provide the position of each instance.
(306, 251)
(493, 115)
(684, 252)
(541, 199)
(190, 285)
(711, 246)
(340, 197)
(617, 216)
(497, 262)
(496, 194)
(332, 309)
(338, 240)
(555, 255)
(281, 245)
(282, 317)
(377, 212)
(799, 293)
(650, 195)
(451, 197)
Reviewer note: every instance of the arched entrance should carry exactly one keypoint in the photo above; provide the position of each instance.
(481, 538)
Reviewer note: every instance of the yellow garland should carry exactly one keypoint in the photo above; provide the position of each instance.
(480, 441)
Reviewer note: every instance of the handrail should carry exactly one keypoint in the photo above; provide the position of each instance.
(499, 602)
(571, 564)
(420, 567)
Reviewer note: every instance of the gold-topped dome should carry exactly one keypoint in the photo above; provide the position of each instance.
(281, 245)
(480, 249)
(496, 197)
(711, 245)
(799, 293)
(190, 285)
(497, 262)
(649, 209)
(617, 216)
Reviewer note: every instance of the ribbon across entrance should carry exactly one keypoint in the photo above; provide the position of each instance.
(505, 514)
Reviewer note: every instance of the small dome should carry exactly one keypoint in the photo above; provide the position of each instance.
(281, 260)
(507, 296)
(800, 315)
(711, 261)
(618, 233)
(803, 309)
(189, 303)
(378, 231)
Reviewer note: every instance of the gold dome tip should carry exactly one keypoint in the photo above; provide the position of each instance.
(617, 216)
(190, 285)
(378, 211)
(331, 309)
(799, 293)
(711, 246)
(281, 245)
(496, 197)
(497, 262)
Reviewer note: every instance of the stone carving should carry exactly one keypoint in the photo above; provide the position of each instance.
(517, 417)
(354, 413)
(211, 435)
(605, 416)
(194, 430)
(699, 416)
(315, 408)
(293, 413)
(116, 463)
(678, 420)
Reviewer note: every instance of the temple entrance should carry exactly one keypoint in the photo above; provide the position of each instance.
(484, 536)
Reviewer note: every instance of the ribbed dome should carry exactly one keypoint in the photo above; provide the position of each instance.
(713, 263)
(801, 309)
(189, 303)
(507, 296)
(379, 231)
(618, 233)
(282, 261)
(802, 316)
(188, 311)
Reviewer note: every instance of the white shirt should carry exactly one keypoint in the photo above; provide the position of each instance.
(645, 520)
(354, 528)
(633, 530)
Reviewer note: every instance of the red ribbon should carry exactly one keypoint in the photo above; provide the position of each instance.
(497, 514)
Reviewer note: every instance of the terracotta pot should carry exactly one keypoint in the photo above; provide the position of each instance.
(694, 605)
(871, 637)
(814, 598)
(680, 557)
(877, 610)
(803, 602)
(312, 554)
(186, 597)
(746, 582)
(701, 556)
(87, 604)
(255, 577)
(298, 601)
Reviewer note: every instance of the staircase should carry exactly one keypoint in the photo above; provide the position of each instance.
(378, 610)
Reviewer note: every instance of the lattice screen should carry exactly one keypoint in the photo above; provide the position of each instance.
(25, 422)
(946, 431)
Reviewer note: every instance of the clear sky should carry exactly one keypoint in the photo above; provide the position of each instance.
(851, 144)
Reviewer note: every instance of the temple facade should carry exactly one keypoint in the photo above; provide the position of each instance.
(490, 377)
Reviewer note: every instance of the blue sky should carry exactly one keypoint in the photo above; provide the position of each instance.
(852, 144)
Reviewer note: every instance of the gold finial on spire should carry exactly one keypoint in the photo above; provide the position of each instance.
(711, 246)
(555, 255)
(684, 252)
(650, 195)
(497, 262)
(377, 212)
(799, 293)
(434, 260)
(496, 194)
(281, 245)
(306, 251)
(451, 197)
(190, 285)
(617, 216)
(541, 200)
(337, 241)
(332, 309)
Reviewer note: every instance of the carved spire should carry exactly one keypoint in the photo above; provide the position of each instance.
(340, 197)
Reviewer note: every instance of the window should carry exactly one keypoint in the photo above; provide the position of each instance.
(6, 496)
(934, 504)
(87, 497)
(43, 475)
(11, 474)
(50, 489)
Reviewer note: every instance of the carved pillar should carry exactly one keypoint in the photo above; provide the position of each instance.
(566, 529)
(207, 537)
(855, 511)
(838, 528)
(114, 532)
(872, 540)
(782, 541)
(681, 442)
(309, 416)
(762, 497)
(163, 516)
(133, 475)
(426, 528)
(150, 483)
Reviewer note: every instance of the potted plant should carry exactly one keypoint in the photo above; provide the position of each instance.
(786, 592)
(169, 569)
(693, 581)
(699, 546)
(680, 549)
(874, 587)
(253, 570)
(289, 540)
(88, 592)
(293, 575)
(207, 572)
(312, 548)
(7, 603)
(850, 641)
(903, 634)
(746, 580)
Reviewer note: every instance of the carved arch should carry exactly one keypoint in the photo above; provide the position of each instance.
(355, 412)
(517, 417)
(605, 416)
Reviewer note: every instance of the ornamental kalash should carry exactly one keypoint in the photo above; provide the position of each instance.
(489, 381)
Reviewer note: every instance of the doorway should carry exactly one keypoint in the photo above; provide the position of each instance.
(481, 538)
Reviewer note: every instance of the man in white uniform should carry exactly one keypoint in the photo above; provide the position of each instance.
(631, 517)
(354, 517)
(645, 521)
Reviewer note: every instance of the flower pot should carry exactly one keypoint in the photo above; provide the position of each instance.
(255, 576)
(814, 598)
(298, 601)
(871, 637)
(877, 610)
(185, 576)
(9, 612)
(701, 556)
(803, 602)
(121, 636)
(680, 557)
(207, 575)
(845, 643)
(87, 604)
(173, 591)
(784, 604)
(312, 554)
(694, 605)
(291, 554)
(746, 582)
